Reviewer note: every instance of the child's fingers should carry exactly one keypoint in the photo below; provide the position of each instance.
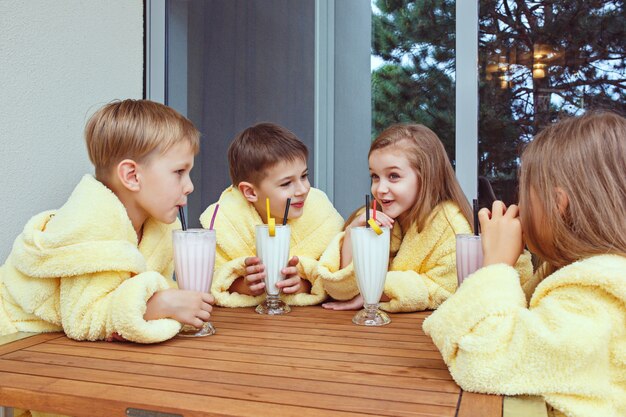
(292, 289)
(384, 220)
(206, 307)
(341, 305)
(252, 260)
(196, 322)
(293, 261)
(208, 298)
(512, 211)
(484, 215)
(289, 271)
(288, 282)
(498, 209)
(203, 315)
(254, 278)
(254, 269)
(257, 286)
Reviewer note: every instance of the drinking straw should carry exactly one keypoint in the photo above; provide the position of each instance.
(374, 209)
(217, 207)
(181, 213)
(367, 210)
(267, 208)
(286, 211)
(475, 209)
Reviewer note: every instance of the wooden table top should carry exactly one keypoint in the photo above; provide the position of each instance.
(310, 362)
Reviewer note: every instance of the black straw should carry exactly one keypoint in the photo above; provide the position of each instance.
(475, 209)
(286, 211)
(181, 213)
(367, 210)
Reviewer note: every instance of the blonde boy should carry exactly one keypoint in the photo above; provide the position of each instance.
(269, 161)
(100, 267)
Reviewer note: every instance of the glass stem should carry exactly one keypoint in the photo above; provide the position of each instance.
(371, 310)
(273, 300)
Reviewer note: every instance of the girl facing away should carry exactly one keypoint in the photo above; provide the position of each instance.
(421, 200)
(568, 344)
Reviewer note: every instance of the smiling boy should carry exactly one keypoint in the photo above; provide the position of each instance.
(269, 161)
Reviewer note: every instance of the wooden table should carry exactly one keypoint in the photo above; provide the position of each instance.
(311, 362)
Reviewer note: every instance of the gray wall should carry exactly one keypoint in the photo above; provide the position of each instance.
(353, 108)
(58, 64)
(249, 61)
(233, 63)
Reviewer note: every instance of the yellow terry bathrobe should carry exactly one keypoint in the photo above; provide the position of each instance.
(422, 271)
(234, 225)
(79, 270)
(567, 345)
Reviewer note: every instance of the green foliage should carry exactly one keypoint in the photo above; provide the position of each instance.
(578, 43)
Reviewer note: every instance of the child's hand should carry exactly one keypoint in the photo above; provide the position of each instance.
(292, 283)
(187, 307)
(255, 276)
(381, 218)
(354, 304)
(501, 234)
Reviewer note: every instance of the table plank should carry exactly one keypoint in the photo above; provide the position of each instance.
(311, 362)
(473, 405)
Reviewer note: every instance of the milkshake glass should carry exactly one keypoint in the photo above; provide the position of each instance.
(274, 254)
(370, 253)
(469, 255)
(194, 257)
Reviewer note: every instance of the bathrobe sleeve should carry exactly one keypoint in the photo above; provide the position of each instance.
(413, 291)
(94, 306)
(308, 271)
(226, 272)
(339, 283)
(493, 343)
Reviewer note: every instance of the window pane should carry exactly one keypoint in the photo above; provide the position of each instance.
(413, 59)
(541, 61)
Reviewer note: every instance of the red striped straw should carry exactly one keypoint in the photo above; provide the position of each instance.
(217, 206)
(374, 209)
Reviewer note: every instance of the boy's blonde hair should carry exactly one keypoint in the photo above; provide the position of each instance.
(586, 158)
(134, 129)
(258, 148)
(436, 181)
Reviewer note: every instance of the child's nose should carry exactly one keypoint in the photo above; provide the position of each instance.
(301, 188)
(188, 189)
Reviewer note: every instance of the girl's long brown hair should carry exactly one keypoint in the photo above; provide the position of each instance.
(436, 181)
(584, 157)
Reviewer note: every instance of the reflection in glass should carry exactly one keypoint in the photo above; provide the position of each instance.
(541, 61)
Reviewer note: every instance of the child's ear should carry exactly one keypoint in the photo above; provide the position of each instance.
(562, 200)
(248, 191)
(127, 174)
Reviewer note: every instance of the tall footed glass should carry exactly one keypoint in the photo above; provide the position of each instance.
(469, 256)
(194, 258)
(274, 254)
(370, 255)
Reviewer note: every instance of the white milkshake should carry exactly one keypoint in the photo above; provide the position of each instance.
(274, 254)
(194, 258)
(370, 255)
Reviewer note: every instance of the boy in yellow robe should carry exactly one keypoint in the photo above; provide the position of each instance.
(269, 161)
(100, 267)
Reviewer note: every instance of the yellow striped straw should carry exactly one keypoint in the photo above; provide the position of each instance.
(267, 208)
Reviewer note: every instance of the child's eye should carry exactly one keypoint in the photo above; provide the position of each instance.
(304, 175)
(180, 171)
(285, 184)
(394, 176)
(373, 177)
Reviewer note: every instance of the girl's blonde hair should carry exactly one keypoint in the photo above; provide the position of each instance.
(436, 181)
(134, 129)
(584, 157)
